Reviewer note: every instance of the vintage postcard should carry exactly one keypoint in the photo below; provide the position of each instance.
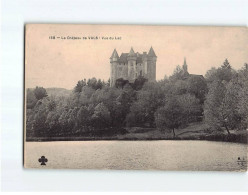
(136, 97)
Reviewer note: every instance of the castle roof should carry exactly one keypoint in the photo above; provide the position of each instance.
(131, 53)
(123, 58)
(151, 53)
(114, 54)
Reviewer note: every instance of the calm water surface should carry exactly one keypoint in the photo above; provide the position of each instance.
(160, 155)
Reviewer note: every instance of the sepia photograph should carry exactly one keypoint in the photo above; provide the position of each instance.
(136, 97)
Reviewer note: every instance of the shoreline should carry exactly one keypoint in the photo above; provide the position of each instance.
(235, 138)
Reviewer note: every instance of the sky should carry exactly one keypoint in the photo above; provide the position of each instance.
(62, 62)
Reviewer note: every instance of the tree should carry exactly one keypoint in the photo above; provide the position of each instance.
(122, 105)
(171, 115)
(72, 119)
(211, 75)
(120, 83)
(63, 120)
(31, 99)
(230, 105)
(220, 105)
(243, 106)
(40, 93)
(149, 98)
(39, 124)
(139, 82)
(85, 95)
(79, 86)
(108, 83)
(92, 83)
(101, 117)
(136, 116)
(30, 132)
(191, 107)
(177, 74)
(180, 87)
(243, 96)
(198, 87)
(83, 118)
(223, 73)
(51, 105)
(226, 65)
(108, 96)
(99, 84)
(52, 121)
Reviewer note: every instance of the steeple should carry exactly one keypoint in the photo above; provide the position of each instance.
(131, 53)
(114, 54)
(184, 63)
(151, 53)
(185, 66)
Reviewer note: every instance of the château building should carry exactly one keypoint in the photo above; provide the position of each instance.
(129, 66)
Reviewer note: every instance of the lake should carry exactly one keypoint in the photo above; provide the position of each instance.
(138, 155)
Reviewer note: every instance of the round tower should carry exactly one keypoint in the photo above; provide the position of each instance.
(151, 65)
(131, 58)
(113, 67)
(144, 63)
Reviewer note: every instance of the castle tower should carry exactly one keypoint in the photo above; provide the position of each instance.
(144, 60)
(151, 65)
(131, 58)
(113, 67)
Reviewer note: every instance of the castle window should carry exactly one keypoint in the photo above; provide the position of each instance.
(141, 73)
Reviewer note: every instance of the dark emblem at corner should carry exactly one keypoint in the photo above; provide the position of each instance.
(43, 160)
(241, 161)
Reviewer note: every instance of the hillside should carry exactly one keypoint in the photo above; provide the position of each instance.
(58, 92)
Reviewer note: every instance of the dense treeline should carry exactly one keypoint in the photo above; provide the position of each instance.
(94, 108)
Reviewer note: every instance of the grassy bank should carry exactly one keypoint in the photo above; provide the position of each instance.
(195, 131)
